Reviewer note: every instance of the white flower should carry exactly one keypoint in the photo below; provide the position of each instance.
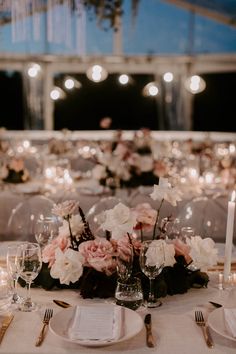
(119, 220)
(143, 162)
(166, 192)
(202, 251)
(65, 209)
(76, 223)
(68, 266)
(99, 172)
(160, 253)
(3, 172)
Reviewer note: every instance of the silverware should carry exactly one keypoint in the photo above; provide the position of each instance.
(5, 324)
(62, 303)
(148, 325)
(199, 319)
(47, 316)
(215, 304)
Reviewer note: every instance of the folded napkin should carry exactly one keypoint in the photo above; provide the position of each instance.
(230, 321)
(100, 323)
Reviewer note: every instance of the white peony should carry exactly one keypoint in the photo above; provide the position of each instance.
(165, 191)
(119, 220)
(68, 266)
(160, 254)
(202, 251)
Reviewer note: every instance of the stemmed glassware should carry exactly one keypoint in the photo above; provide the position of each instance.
(30, 263)
(45, 230)
(124, 263)
(152, 261)
(13, 268)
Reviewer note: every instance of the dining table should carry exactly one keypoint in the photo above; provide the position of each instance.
(173, 324)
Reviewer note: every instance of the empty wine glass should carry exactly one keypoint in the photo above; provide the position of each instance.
(124, 261)
(152, 261)
(30, 263)
(45, 230)
(13, 268)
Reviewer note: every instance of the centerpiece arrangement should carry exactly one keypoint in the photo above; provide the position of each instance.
(76, 258)
(14, 171)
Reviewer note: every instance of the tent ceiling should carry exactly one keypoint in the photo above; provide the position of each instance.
(220, 10)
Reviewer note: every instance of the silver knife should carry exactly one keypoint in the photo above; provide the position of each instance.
(5, 324)
(149, 336)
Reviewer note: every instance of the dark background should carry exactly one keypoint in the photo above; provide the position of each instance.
(213, 109)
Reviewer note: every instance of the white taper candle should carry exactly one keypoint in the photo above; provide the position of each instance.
(229, 237)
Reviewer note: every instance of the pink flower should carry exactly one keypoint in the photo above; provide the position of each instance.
(124, 247)
(48, 254)
(16, 165)
(98, 254)
(181, 249)
(146, 216)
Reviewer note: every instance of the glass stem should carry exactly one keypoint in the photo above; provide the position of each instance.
(28, 294)
(151, 295)
(15, 296)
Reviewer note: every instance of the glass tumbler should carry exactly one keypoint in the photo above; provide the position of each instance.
(129, 293)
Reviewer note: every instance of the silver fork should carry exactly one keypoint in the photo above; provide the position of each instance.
(199, 319)
(47, 315)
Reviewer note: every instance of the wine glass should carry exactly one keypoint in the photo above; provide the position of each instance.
(152, 261)
(30, 263)
(45, 230)
(13, 268)
(124, 262)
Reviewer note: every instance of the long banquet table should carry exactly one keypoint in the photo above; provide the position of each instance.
(174, 328)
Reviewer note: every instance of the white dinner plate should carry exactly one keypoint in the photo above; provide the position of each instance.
(216, 322)
(59, 325)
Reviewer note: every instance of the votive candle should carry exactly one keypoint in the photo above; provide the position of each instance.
(229, 236)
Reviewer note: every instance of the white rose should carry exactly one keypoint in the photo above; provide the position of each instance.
(202, 251)
(99, 172)
(160, 254)
(68, 266)
(76, 223)
(66, 208)
(119, 220)
(164, 191)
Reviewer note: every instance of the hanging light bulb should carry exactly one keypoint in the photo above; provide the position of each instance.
(123, 79)
(168, 77)
(151, 89)
(195, 84)
(34, 70)
(71, 83)
(96, 73)
(57, 93)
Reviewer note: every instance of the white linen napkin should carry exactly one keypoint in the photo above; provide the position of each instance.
(230, 321)
(100, 323)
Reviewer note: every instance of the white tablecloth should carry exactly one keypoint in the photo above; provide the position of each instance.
(174, 328)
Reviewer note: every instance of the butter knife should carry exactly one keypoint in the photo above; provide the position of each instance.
(149, 336)
(5, 324)
(62, 303)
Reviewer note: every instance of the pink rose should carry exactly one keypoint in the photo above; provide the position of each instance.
(49, 250)
(99, 254)
(181, 249)
(146, 216)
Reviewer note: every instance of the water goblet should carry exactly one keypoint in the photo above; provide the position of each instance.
(5, 292)
(30, 263)
(124, 262)
(152, 261)
(45, 230)
(129, 293)
(13, 268)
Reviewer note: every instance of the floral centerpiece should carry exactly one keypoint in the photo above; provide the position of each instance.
(76, 258)
(14, 171)
(125, 164)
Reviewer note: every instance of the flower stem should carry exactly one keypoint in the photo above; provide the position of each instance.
(157, 218)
